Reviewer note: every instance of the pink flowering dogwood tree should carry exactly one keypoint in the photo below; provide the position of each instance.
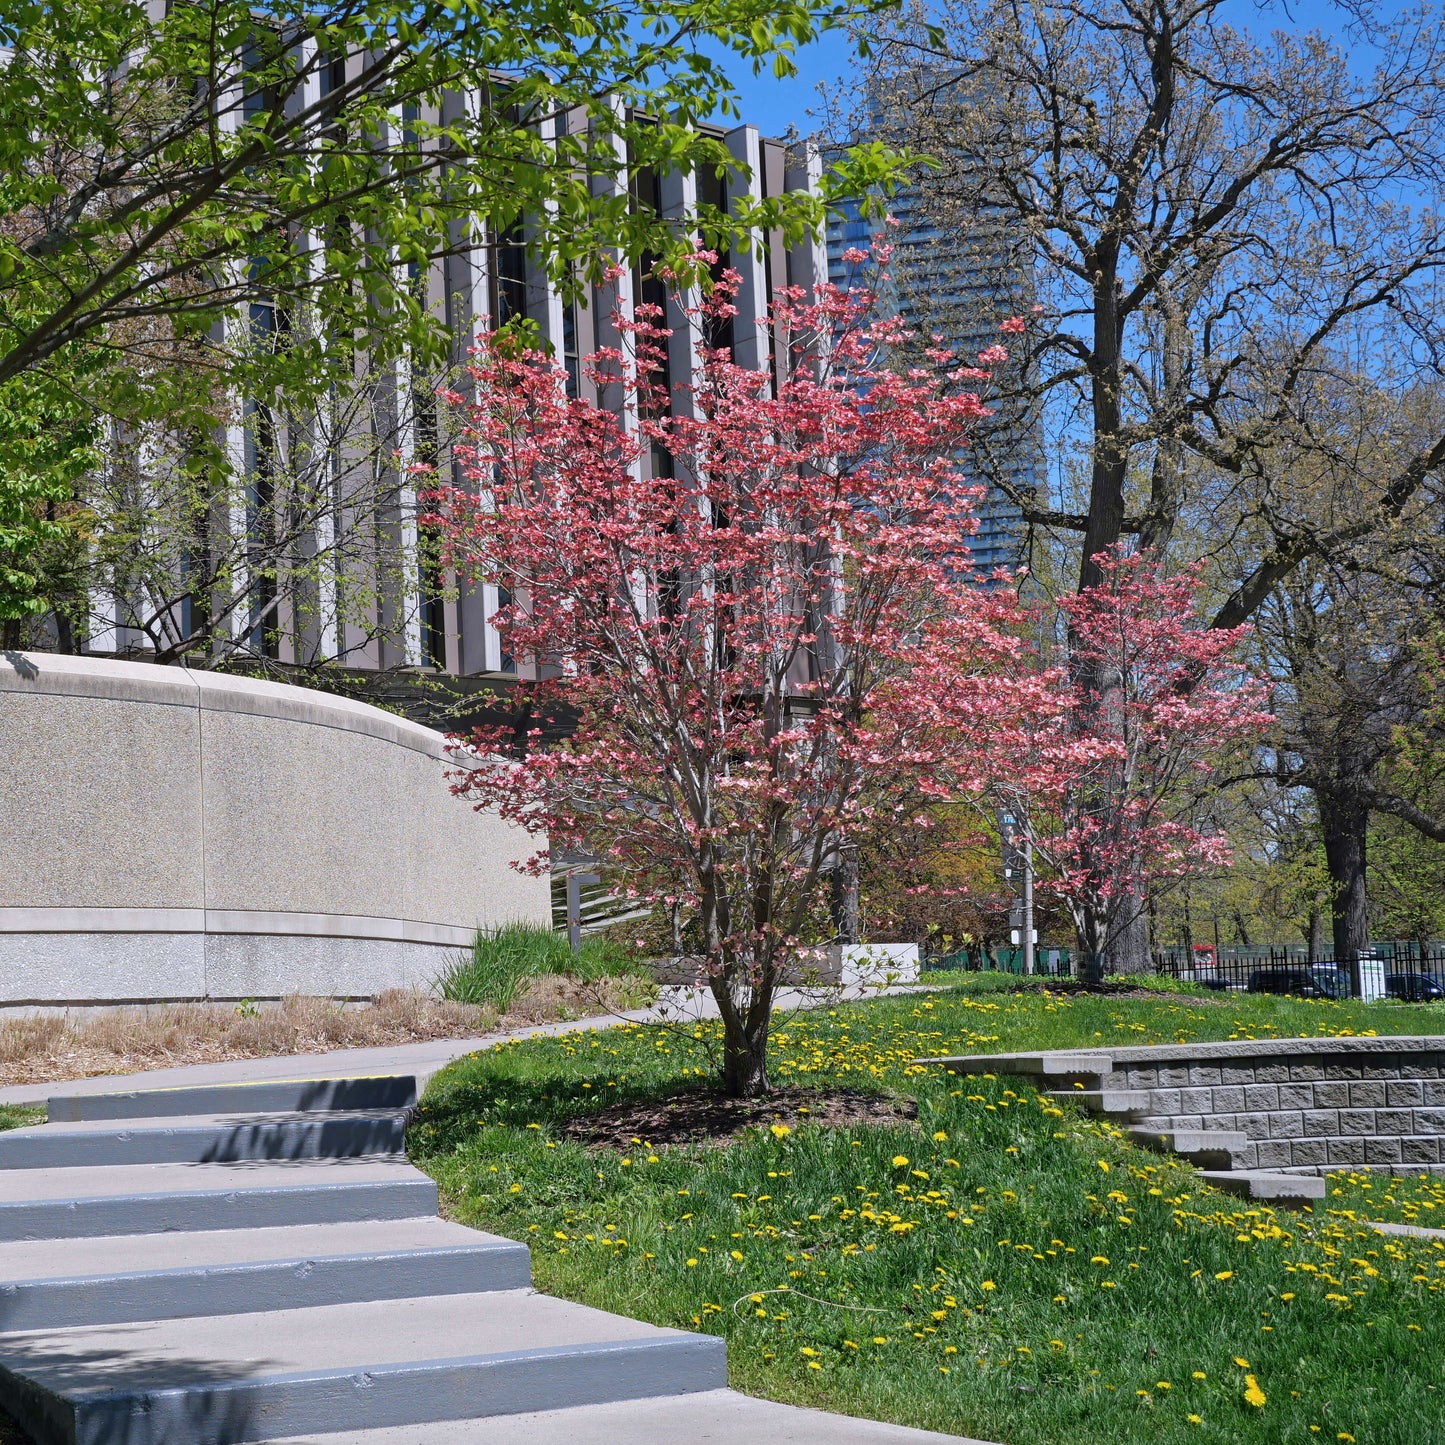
(1160, 703)
(757, 601)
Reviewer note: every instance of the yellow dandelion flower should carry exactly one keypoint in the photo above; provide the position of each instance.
(1200, 1375)
(779, 1131)
(988, 1284)
(1195, 1419)
(691, 1263)
(1100, 1259)
(900, 1161)
(1242, 1363)
(1225, 1274)
(1253, 1395)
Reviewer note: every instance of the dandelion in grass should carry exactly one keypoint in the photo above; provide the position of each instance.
(1253, 1395)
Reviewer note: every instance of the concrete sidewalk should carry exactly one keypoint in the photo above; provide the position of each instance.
(421, 1060)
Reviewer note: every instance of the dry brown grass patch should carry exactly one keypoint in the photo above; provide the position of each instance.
(48, 1048)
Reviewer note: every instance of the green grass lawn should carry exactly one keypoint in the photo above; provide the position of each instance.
(1002, 1268)
(18, 1116)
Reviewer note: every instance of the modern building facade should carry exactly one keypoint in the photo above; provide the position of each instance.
(362, 593)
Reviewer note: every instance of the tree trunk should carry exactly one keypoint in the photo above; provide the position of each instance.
(1317, 933)
(1129, 947)
(745, 1057)
(843, 883)
(1343, 822)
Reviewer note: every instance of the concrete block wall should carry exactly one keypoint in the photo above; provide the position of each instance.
(1303, 1111)
(1305, 1106)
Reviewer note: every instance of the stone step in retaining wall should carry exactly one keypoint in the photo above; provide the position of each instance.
(1304, 1106)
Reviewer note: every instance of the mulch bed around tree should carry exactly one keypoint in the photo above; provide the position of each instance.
(698, 1117)
(1112, 988)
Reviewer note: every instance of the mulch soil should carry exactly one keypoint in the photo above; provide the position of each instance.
(700, 1117)
(1111, 988)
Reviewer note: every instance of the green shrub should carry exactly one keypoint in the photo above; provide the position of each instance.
(501, 960)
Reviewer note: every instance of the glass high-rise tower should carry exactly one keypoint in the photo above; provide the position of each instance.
(959, 286)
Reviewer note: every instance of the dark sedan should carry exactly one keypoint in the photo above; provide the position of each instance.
(1414, 987)
(1305, 981)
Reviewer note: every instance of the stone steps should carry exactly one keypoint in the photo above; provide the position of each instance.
(205, 1139)
(150, 1198)
(1090, 1082)
(51, 1283)
(342, 1367)
(271, 1096)
(224, 1276)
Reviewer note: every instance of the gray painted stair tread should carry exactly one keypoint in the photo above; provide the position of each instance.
(143, 1253)
(721, 1416)
(176, 1123)
(121, 1180)
(328, 1092)
(204, 1137)
(171, 1353)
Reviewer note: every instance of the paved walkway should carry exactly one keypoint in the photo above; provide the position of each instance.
(421, 1060)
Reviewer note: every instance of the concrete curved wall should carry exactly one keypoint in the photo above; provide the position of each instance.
(170, 834)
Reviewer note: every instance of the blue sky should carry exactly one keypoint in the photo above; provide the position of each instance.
(772, 105)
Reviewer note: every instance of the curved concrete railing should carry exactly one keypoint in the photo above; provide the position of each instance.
(170, 834)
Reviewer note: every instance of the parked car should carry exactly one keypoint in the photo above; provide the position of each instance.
(1414, 987)
(1304, 981)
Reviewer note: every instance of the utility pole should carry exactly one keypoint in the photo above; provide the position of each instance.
(1028, 852)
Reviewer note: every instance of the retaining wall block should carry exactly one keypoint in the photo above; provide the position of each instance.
(1332, 1096)
(1367, 1095)
(1357, 1121)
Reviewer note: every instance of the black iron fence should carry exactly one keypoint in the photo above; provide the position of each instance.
(1400, 969)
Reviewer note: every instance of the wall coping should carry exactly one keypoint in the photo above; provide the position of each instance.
(57, 674)
(1101, 1060)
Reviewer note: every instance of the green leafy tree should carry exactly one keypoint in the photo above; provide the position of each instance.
(211, 199)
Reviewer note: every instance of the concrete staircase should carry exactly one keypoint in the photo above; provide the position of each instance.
(219, 1264)
(1084, 1081)
(259, 1261)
